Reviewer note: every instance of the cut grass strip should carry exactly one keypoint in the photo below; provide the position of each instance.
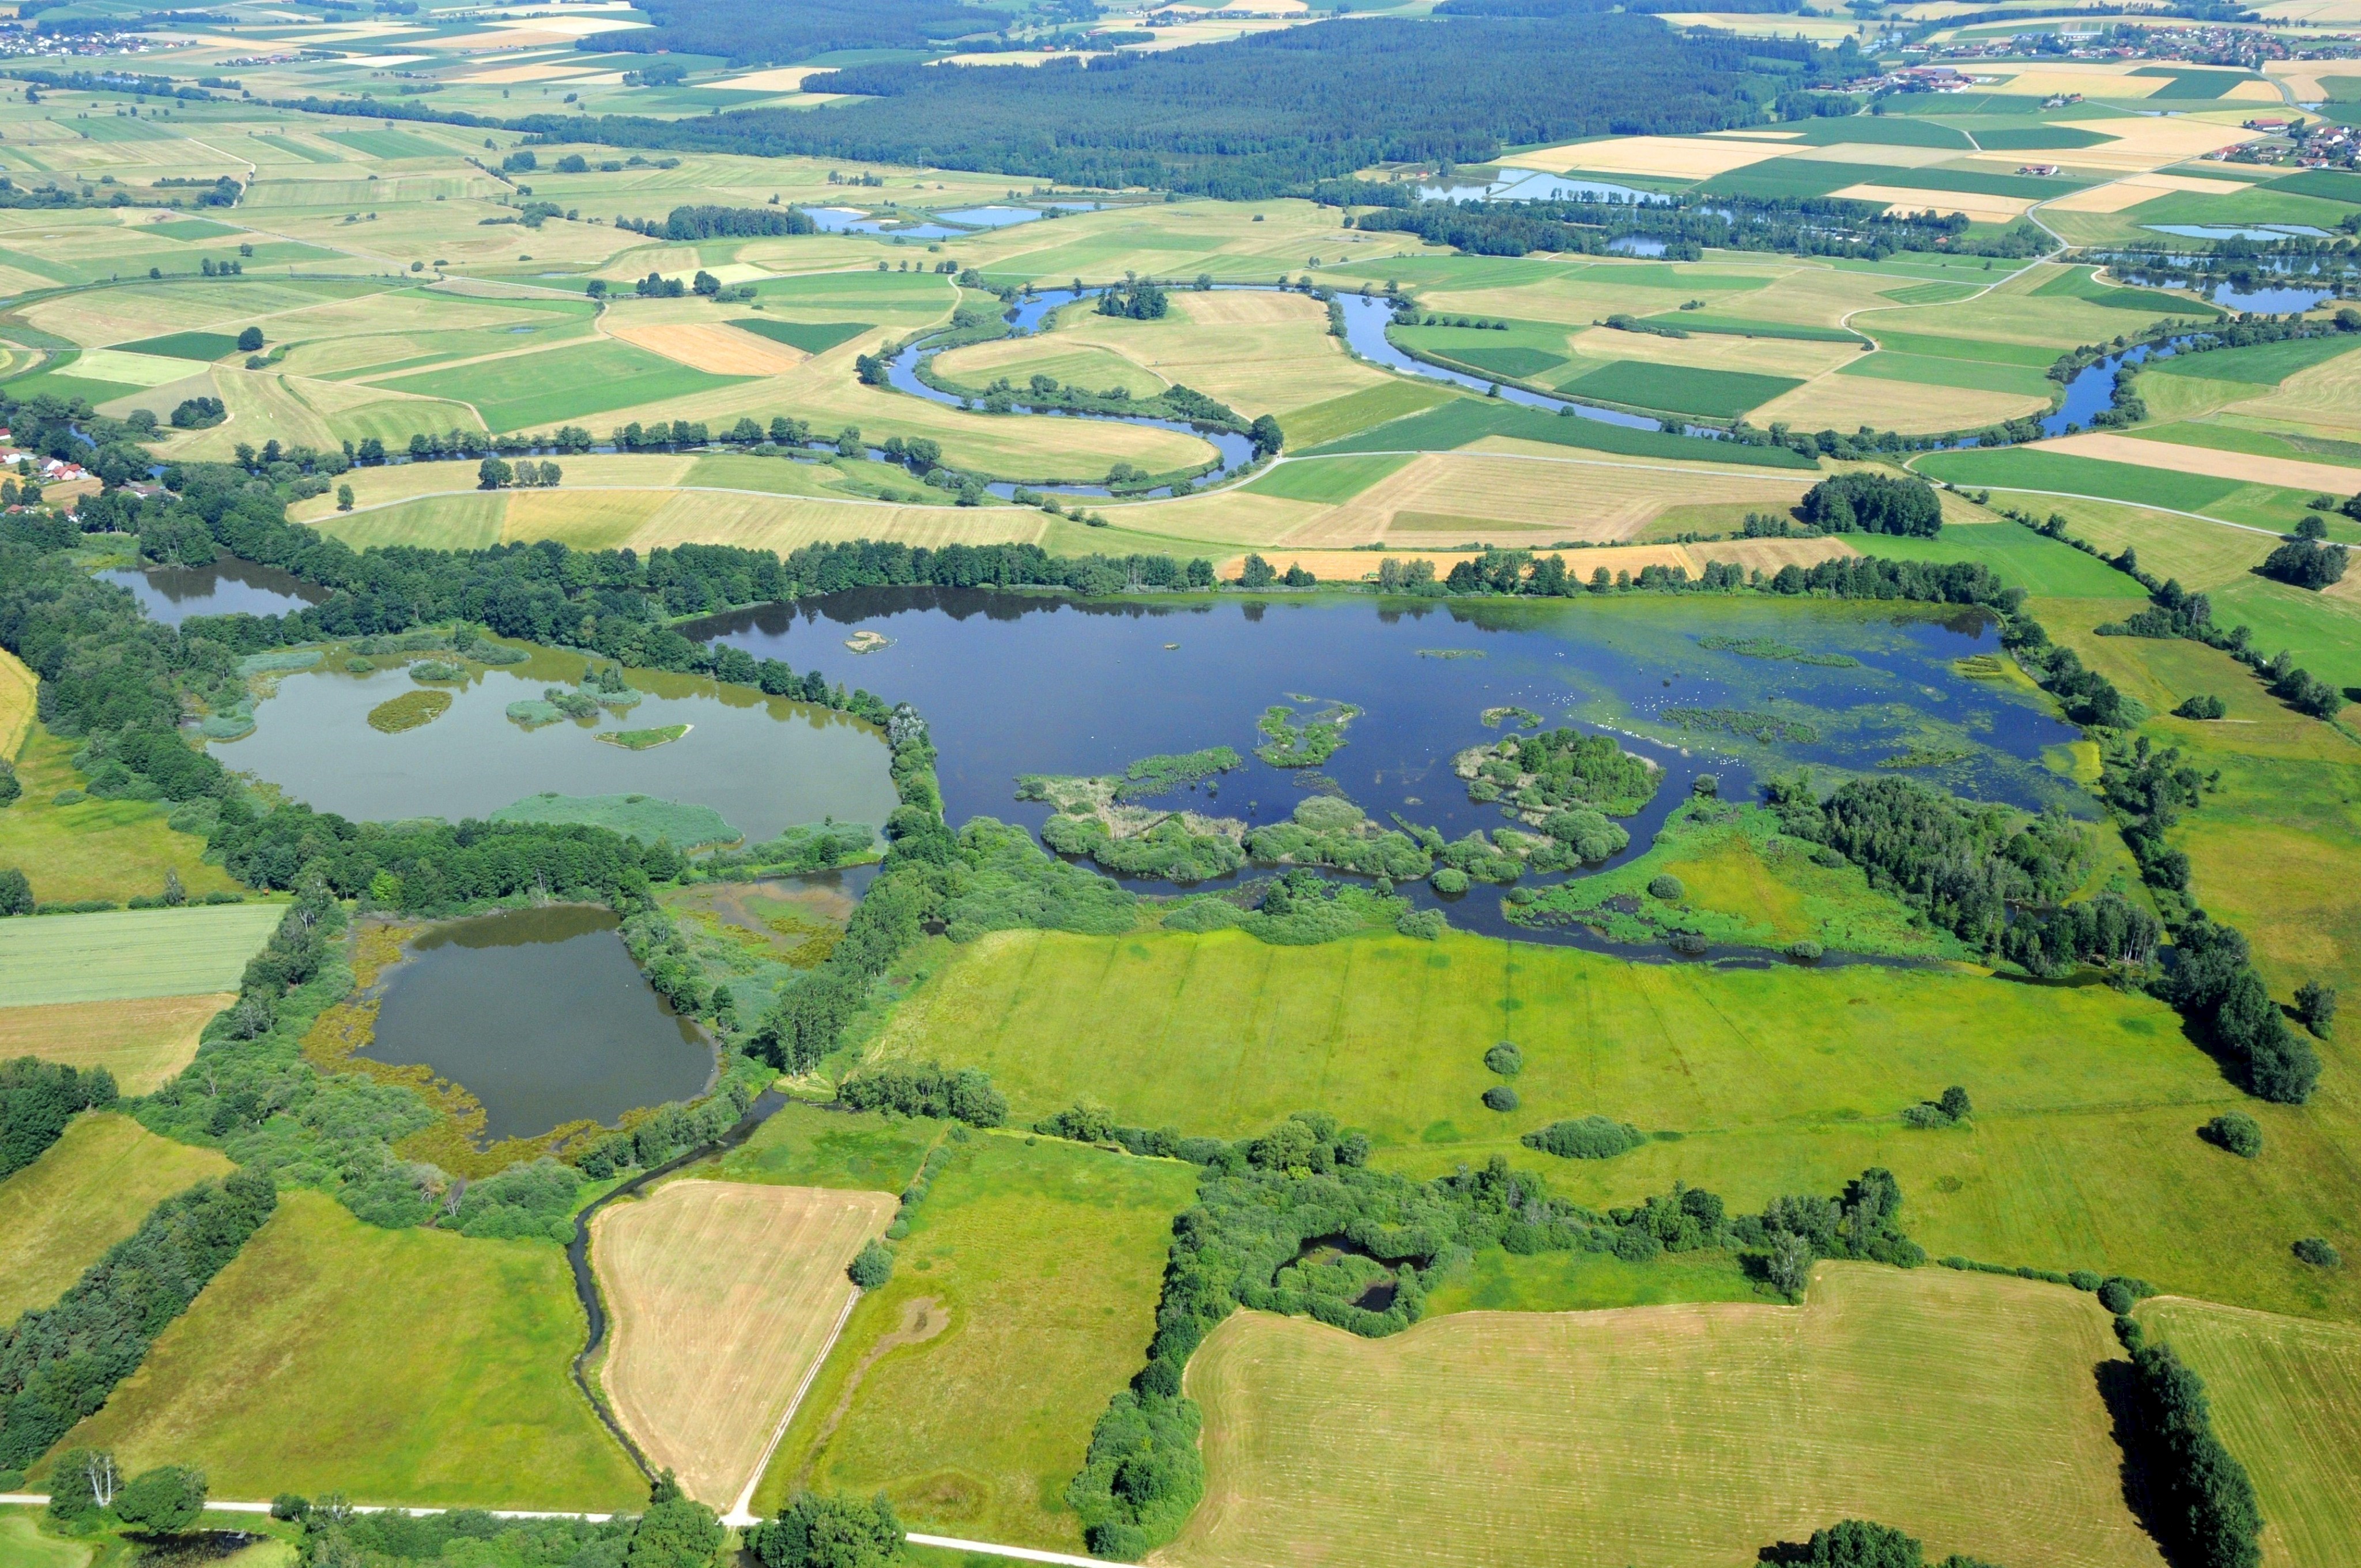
(1465, 420)
(2027, 468)
(1973, 374)
(207, 346)
(1354, 412)
(129, 953)
(1681, 389)
(812, 337)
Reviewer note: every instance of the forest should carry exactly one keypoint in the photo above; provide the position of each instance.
(749, 32)
(1266, 113)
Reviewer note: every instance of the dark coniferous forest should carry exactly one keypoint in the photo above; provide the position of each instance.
(1258, 115)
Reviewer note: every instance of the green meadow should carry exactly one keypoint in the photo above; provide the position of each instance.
(87, 1192)
(127, 953)
(534, 390)
(1327, 479)
(400, 1367)
(1045, 1258)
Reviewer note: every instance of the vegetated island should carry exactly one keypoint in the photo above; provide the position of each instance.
(1094, 817)
(1772, 648)
(643, 739)
(409, 711)
(1562, 770)
(1290, 742)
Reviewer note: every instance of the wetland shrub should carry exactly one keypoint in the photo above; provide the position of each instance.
(824, 1531)
(2316, 1251)
(1501, 1098)
(924, 1089)
(2235, 1131)
(1585, 1137)
(523, 1203)
(1506, 1059)
(1666, 886)
(38, 1099)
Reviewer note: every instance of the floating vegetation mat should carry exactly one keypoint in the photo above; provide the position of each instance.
(1765, 728)
(409, 711)
(1772, 648)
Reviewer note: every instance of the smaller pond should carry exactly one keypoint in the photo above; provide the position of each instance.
(228, 587)
(2270, 302)
(1532, 185)
(850, 220)
(542, 1016)
(1636, 244)
(990, 217)
(764, 763)
(2228, 231)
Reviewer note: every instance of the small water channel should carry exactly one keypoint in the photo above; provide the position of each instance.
(227, 587)
(1534, 185)
(764, 763)
(2092, 390)
(1020, 683)
(542, 1016)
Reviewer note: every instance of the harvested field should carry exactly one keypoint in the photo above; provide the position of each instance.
(1352, 566)
(1846, 402)
(1960, 1408)
(1674, 158)
(1979, 207)
(713, 347)
(87, 1192)
(2107, 446)
(142, 1042)
(725, 1295)
(2328, 396)
(2132, 191)
(18, 688)
(2148, 143)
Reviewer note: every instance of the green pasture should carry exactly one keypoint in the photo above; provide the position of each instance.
(1812, 177)
(192, 229)
(1465, 420)
(2332, 184)
(1326, 479)
(2083, 1152)
(2323, 632)
(2219, 437)
(87, 1192)
(2263, 364)
(399, 1367)
(1709, 323)
(1496, 1280)
(2193, 83)
(812, 337)
(1677, 389)
(1491, 353)
(2270, 204)
(902, 292)
(2039, 138)
(534, 390)
(1048, 1257)
(804, 1145)
(2027, 468)
(1930, 370)
(94, 849)
(387, 143)
(1878, 130)
(2018, 556)
(2082, 283)
(128, 953)
(205, 346)
(1935, 293)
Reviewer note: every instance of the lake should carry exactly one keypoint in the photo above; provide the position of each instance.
(764, 763)
(1020, 683)
(542, 1016)
(228, 587)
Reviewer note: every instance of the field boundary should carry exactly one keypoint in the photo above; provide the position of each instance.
(2119, 502)
(741, 1512)
(947, 1543)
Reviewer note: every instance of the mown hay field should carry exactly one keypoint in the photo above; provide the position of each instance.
(94, 849)
(392, 1366)
(724, 1295)
(87, 1192)
(125, 954)
(967, 1387)
(2084, 1152)
(2287, 1401)
(19, 690)
(142, 1042)
(1963, 1409)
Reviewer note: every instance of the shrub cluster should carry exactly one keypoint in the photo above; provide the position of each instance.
(965, 1094)
(38, 1099)
(2207, 1511)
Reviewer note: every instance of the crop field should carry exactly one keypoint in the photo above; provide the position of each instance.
(87, 1192)
(142, 1042)
(966, 1387)
(1710, 394)
(2287, 1398)
(1219, 1034)
(725, 1295)
(1960, 1408)
(404, 1366)
(132, 953)
(536, 390)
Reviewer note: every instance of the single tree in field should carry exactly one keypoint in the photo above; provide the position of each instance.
(1791, 1263)
(165, 1500)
